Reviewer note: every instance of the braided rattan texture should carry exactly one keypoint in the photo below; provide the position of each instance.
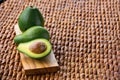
(85, 35)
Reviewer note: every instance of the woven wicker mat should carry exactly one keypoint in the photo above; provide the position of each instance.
(85, 35)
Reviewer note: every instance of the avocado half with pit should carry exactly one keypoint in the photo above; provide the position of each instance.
(36, 49)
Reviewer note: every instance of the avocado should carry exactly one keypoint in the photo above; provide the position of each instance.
(32, 33)
(36, 49)
(29, 17)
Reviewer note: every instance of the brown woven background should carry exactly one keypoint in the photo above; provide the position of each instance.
(85, 35)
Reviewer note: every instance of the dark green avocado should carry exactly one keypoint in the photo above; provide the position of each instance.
(29, 17)
(36, 49)
(32, 33)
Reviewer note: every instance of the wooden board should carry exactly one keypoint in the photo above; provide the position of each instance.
(33, 66)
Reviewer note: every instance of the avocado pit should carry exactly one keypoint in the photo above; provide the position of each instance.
(37, 47)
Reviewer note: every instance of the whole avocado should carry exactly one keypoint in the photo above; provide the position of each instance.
(31, 16)
(32, 33)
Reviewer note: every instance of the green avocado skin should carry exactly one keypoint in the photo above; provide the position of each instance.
(31, 16)
(32, 33)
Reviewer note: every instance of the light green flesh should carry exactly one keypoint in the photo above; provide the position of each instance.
(24, 48)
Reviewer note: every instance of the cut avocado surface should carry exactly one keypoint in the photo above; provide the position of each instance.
(25, 48)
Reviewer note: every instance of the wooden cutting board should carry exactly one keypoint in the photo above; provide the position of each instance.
(33, 66)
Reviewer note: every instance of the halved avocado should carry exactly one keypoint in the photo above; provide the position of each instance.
(32, 33)
(36, 49)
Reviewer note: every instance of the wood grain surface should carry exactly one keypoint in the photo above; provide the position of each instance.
(33, 66)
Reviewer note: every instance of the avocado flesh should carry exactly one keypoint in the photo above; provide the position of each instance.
(24, 48)
(32, 33)
(31, 16)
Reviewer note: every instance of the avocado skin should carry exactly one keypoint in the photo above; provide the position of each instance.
(32, 54)
(31, 16)
(31, 34)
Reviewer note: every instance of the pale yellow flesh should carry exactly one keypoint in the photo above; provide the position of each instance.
(24, 48)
